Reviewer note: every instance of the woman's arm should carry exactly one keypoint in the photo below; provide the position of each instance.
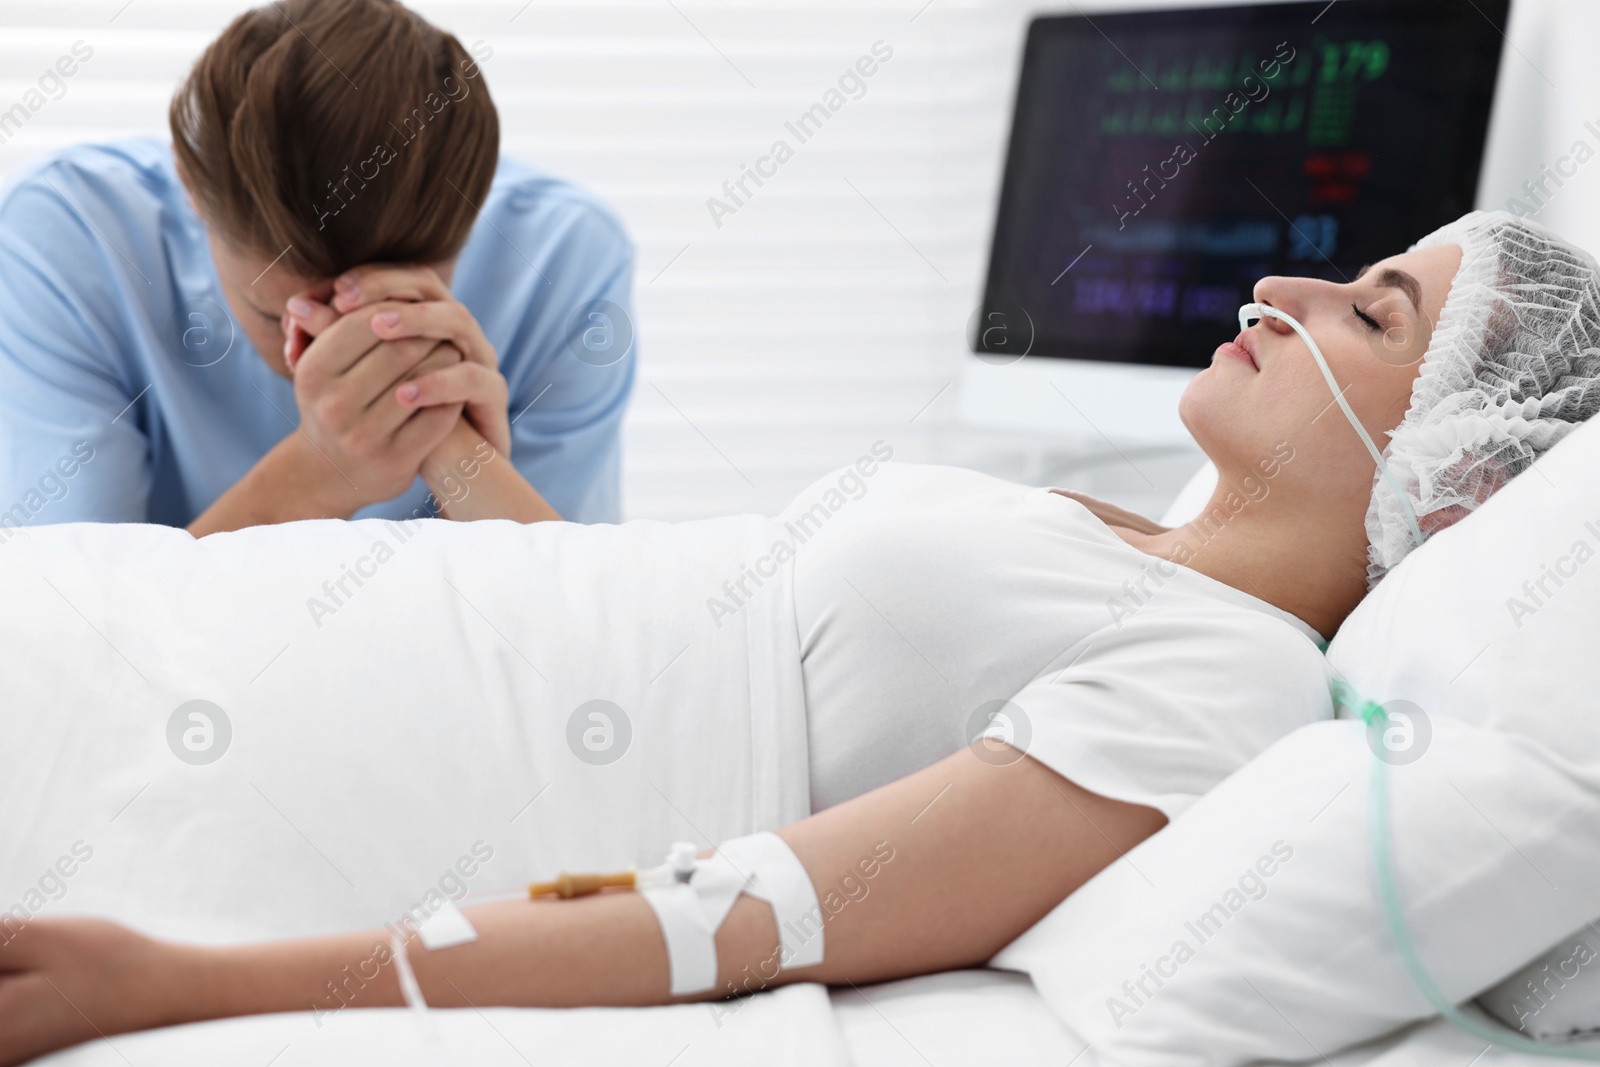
(965, 855)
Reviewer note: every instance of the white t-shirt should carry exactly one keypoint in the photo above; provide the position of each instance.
(928, 599)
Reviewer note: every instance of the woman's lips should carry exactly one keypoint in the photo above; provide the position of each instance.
(1239, 349)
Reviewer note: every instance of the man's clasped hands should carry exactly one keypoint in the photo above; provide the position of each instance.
(394, 378)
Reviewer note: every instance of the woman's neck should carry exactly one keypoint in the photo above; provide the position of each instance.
(1309, 565)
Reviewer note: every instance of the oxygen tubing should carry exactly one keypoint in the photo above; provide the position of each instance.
(1345, 698)
(1257, 311)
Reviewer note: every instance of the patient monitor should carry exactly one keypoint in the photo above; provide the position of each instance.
(1161, 162)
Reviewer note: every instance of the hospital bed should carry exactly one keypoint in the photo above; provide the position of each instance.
(968, 1018)
(1489, 884)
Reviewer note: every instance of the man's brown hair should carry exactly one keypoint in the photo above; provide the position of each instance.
(345, 131)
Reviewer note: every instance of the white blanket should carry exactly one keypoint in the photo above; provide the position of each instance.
(415, 729)
(425, 733)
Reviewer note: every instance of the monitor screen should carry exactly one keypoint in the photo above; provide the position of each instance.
(1162, 162)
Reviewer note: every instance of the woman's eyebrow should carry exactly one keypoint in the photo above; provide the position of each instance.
(1390, 278)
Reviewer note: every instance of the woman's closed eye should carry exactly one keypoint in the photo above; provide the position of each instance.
(1371, 323)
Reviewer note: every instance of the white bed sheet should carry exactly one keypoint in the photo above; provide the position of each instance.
(956, 1019)
(979, 1017)
(1434, 1043)
(967, 1018)
(970, 1018)
(790, 1026)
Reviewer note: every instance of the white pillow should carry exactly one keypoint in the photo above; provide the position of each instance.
(1250, 928)
(1555, 997)
(1193, 497)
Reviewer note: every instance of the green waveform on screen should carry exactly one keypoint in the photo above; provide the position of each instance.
(1326, 61)
(1178, 118)
(1193, 92)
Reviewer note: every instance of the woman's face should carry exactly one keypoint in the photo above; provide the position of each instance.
(1264, 391)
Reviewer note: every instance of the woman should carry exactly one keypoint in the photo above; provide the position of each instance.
(1126, 667)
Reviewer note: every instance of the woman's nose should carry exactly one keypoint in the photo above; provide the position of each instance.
(1280, 293)
(1274, 324)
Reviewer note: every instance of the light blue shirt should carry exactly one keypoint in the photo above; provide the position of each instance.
(128, 393)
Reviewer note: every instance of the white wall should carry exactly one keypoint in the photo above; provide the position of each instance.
(828, 311)
(1549, 98)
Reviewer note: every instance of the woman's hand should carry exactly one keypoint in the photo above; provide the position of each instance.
(64, 981)
(417, 304)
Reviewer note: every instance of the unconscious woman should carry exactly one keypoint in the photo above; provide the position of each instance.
(1013, 685)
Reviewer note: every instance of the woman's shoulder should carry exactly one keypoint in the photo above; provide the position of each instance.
(880, 463)
(1195, 628)
(888, 481)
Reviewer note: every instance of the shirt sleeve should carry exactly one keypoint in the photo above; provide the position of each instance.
(71, 444)
(1161, 708)
(571, 367)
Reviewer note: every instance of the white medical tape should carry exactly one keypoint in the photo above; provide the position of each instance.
(690, 915)
(691, 939)
(409, 989)
(760, 865)
(446, 927)
(778, 877)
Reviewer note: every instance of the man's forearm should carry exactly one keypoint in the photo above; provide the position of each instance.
(290, 482)
(471, 480)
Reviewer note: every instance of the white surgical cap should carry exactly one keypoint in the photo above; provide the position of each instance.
(1513, 366)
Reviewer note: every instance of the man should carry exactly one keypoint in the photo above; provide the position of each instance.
(330, 285)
